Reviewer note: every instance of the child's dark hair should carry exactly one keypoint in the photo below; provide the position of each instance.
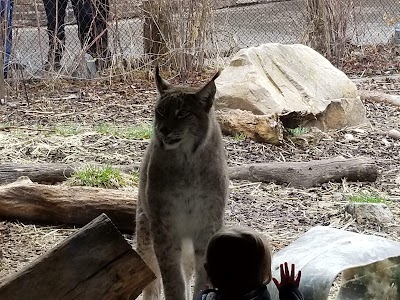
(238, 260)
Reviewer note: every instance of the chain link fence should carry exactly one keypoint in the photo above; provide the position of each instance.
(236, 24)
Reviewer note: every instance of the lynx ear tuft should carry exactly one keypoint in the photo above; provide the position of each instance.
(207, 93)
(162, 85)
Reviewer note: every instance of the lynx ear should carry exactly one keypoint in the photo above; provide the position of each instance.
(162, 85)
(207, 93)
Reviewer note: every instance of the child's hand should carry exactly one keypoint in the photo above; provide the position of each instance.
(287, 278)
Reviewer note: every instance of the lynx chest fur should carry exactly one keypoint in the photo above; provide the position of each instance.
(183, 187)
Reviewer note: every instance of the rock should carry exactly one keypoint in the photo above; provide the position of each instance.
(358, 130)
(293, 81)
(337, 196)
(370, 212)
(386, 142)
(348, 137)
(257, 127)
(394, 134)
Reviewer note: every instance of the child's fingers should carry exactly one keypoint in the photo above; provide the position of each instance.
(298, 278)
(286, 268)
(292, 273)
(282, 272)
(276, 283)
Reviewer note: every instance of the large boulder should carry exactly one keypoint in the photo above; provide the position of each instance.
(293, 81)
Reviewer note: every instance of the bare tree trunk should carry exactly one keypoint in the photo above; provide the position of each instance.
(175, 32)
(153, 42)
(328, 23)
(315, 34)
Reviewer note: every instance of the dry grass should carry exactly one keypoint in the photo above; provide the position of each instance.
(328, 21)
(22, 243)
(176, 32)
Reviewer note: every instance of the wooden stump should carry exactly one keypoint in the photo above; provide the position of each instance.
(94, 263)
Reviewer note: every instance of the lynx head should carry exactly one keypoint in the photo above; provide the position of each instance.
(182, 114)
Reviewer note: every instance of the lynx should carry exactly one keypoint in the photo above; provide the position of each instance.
(183, 189)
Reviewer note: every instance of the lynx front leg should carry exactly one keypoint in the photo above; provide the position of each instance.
(146, 251)
(200, 272)
(200, 246)
(168, 249)
(188, 265)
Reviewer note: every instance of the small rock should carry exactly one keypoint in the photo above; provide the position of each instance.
(394, 134)
(13, 104)
(358, 130)
(386, 142)
(337, 196)
(370, 212)
(348, 137)
(397, 180)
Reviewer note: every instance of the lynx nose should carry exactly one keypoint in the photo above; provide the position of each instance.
(165, 130)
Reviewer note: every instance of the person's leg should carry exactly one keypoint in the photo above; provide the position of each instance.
(55, 13)
(92, 16)
(85, 19)
(100, 47)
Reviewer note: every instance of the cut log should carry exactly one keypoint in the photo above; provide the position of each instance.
(25, 200)
(376, 96)
(46, 173)
(94, 263)
(308, 174)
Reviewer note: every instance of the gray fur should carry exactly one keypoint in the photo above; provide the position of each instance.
(183, 189)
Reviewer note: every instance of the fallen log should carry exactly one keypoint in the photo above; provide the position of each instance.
(94, 263)
(45, 173)
(308, 174)
(77, 205)
(49, 173)
(25, 200)
(376, 96)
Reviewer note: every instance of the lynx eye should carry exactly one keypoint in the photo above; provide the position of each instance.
(160, 111)
(182, 114)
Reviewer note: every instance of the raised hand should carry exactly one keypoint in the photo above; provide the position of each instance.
(287, 279)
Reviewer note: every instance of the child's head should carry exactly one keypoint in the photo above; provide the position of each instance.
(238, 260)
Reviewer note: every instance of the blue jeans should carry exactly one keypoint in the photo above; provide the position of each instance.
(7, 8)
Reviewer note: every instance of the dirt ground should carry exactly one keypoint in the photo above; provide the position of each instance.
(281, 212)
